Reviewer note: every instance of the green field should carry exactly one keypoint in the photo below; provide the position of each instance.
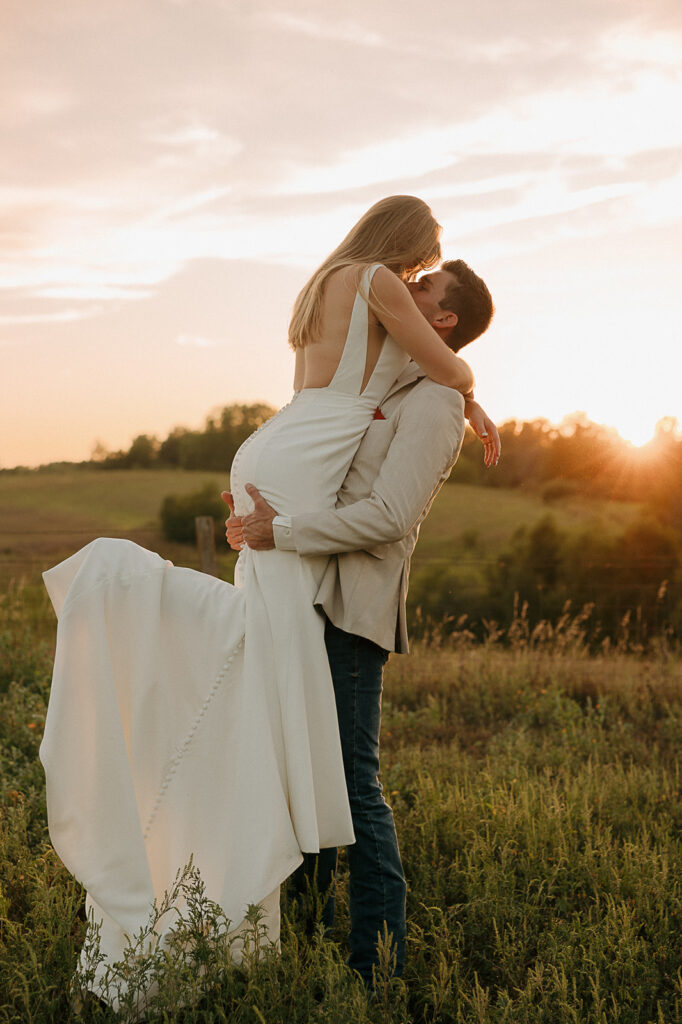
(536, 793)
(46, 515)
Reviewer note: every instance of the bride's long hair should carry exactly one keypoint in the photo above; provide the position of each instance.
(399, 231)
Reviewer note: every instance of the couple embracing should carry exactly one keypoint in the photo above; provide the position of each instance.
(239, 725)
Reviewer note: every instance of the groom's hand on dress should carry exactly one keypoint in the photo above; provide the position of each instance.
(233, 531)
(257, 526)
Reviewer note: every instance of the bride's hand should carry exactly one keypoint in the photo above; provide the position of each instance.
(486, 431)
(234, 530)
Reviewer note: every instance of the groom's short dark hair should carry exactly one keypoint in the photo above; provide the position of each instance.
(469, 298)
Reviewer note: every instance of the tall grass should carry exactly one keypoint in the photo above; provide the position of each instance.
(536, 793)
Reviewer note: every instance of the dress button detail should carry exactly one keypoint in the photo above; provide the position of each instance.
(176, 759)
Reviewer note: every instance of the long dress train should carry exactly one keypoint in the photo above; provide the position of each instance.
(190, 717)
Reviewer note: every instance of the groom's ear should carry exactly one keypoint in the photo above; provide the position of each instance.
(445, 320)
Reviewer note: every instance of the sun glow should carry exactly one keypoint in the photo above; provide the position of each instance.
(641, 433)
(637, 434)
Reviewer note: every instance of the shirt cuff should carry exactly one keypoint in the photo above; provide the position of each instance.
(283, 531)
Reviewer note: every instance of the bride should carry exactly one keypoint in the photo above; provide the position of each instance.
(191, 718)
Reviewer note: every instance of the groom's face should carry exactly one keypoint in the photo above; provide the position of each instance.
(429, 291)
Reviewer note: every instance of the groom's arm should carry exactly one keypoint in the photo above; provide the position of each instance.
(426, 443)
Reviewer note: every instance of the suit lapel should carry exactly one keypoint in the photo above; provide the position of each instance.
(410, 374)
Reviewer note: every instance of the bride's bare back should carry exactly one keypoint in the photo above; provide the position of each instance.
(316, 363)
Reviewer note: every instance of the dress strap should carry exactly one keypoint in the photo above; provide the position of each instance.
(351, 368)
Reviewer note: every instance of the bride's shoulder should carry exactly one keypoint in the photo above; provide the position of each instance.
(387, 286)
(345, 277)
(354, 277)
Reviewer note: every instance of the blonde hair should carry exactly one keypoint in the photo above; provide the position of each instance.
(399, 231)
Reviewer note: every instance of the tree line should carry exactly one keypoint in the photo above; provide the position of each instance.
(212, 447)
(635, 577)
(577, 457)
(581, 457)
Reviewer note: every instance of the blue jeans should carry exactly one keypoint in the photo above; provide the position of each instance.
(377, 883)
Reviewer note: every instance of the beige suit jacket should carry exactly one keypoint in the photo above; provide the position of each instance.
(400, 466)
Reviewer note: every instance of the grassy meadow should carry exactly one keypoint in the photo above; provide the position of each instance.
(535, 789)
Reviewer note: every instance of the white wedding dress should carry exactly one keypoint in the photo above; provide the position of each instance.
(189, 717)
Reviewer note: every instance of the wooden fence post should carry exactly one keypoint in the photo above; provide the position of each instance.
(205, 530)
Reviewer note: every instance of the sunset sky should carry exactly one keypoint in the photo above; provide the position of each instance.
(171, 172)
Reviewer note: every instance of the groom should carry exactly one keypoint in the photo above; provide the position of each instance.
(403, 460)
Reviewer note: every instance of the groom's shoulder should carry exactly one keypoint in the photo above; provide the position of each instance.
(431, 410)
(427, 397)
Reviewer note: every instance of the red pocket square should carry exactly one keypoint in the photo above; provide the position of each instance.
(378, 414)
